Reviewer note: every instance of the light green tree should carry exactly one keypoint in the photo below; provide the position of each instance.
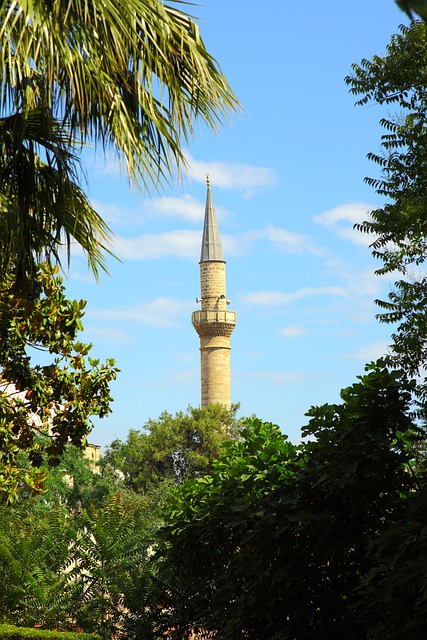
(173, 448)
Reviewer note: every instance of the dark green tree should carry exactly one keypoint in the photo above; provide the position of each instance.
(279, 540)
(173, 448)
(399, 228)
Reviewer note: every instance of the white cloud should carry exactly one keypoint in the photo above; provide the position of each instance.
(181, 243)
(276, 377)
(185, 243)
(162, 312)
(292, 331)
(342, 218)
(287, 241)
(278, 298)
(356, 212)
(370, 352)
(228, 175)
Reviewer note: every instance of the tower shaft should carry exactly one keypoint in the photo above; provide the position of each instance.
(213, 323)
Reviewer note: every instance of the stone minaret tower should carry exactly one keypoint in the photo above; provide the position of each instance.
(214, 323)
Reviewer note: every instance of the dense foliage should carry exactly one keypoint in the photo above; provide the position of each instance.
(299, 542)
(77, 556)
(280, 541)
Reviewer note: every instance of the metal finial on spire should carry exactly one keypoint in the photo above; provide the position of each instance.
(208, 182)
(211, 241)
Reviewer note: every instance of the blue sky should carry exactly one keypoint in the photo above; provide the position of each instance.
(287, 182)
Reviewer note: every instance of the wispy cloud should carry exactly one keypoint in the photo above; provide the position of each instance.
(370, 352)
(185, 243)
(291, 242)
(186, 207)
(276, 377)
(292, 331)
(342, 218)
(186, 356)
(228, 175)
(162, 312)
(183, 376)
(110, 334)
(117, 216)
(282, 239)
(106, 164)
(279, 299)
(181, 243)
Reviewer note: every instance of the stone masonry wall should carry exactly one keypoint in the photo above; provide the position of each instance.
(212, 285)
(214, 337)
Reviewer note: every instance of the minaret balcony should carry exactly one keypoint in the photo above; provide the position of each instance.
(214, 321)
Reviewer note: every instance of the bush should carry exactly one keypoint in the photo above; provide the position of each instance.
(10, 632)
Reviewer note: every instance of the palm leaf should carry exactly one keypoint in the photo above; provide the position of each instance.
(131, 74)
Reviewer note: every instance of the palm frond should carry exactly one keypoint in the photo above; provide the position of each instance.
(43, 208)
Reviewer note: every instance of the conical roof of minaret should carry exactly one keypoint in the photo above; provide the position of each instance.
(211, 240)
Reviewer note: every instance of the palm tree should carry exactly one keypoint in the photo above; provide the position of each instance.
(130, 75)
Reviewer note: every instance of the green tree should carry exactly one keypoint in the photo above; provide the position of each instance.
(85, 570)
(278, 541)
(77, 485)
(55, 400)
(109, 574)
(398, 228)
(173, 448)
(130, 75)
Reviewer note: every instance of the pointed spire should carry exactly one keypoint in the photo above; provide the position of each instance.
(211, 241)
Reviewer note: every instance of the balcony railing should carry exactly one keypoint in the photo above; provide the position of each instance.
(214, 316)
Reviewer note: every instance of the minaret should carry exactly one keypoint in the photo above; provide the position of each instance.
(214, 323)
